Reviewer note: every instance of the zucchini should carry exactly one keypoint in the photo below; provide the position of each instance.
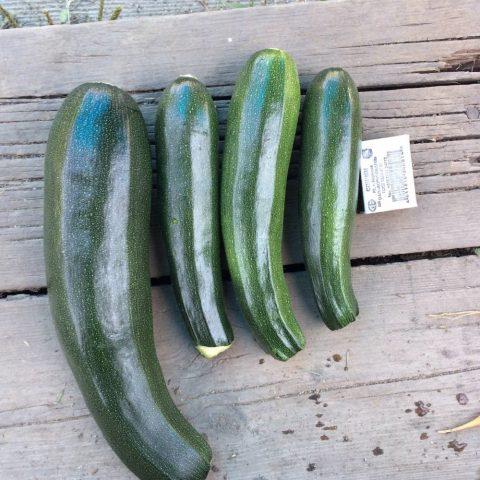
(187, 162)
(260, 132)
(329, 172)
(96, 239)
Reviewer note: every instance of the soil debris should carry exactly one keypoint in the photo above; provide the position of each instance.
(457, 446)
(315, 397)
(422, 409)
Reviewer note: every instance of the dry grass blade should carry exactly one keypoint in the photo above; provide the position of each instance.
(101, 8)
(116, 13)
(48, 17)
(456, 315)
(8, 17)
(465, 426)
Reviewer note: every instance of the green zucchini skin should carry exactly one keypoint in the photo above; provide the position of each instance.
(328, 189)
(261, 128)
(96, 239)
(186, 135)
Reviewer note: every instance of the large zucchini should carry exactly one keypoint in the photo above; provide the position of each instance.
(187, 159)
(329, 171)
(97, 211)
(260, 132)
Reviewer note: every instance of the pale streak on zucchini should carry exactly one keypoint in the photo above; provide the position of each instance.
(212, 352)
(465, 426)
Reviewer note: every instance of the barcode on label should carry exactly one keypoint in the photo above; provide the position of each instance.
(397, 174)
(387, 174)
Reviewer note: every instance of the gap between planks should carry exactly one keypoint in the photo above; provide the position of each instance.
(421, 289)
(293, 268)
(227, 89)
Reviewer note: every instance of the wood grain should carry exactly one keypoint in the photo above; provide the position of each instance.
(407, 46)
(446, 156)
(401, 350)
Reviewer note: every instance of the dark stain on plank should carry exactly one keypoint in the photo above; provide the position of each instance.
(377, 451)
(421, 408)
(467, 60)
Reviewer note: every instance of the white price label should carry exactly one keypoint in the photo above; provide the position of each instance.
(386, 174)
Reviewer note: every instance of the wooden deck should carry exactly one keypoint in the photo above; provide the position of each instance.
(363, 403)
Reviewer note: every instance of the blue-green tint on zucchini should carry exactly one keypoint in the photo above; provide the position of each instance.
(260, 132)
(188, 176)
(329, 173)
(96, 231)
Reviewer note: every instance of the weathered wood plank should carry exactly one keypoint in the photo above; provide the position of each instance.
(409, 45)
(243, 452)
(430, 114)
(244, 403)
(440, 222)
(248, 442)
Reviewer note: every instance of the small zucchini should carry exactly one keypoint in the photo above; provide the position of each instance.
(329, 172)
(96, 239)
(260, 132)
(188, 171)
